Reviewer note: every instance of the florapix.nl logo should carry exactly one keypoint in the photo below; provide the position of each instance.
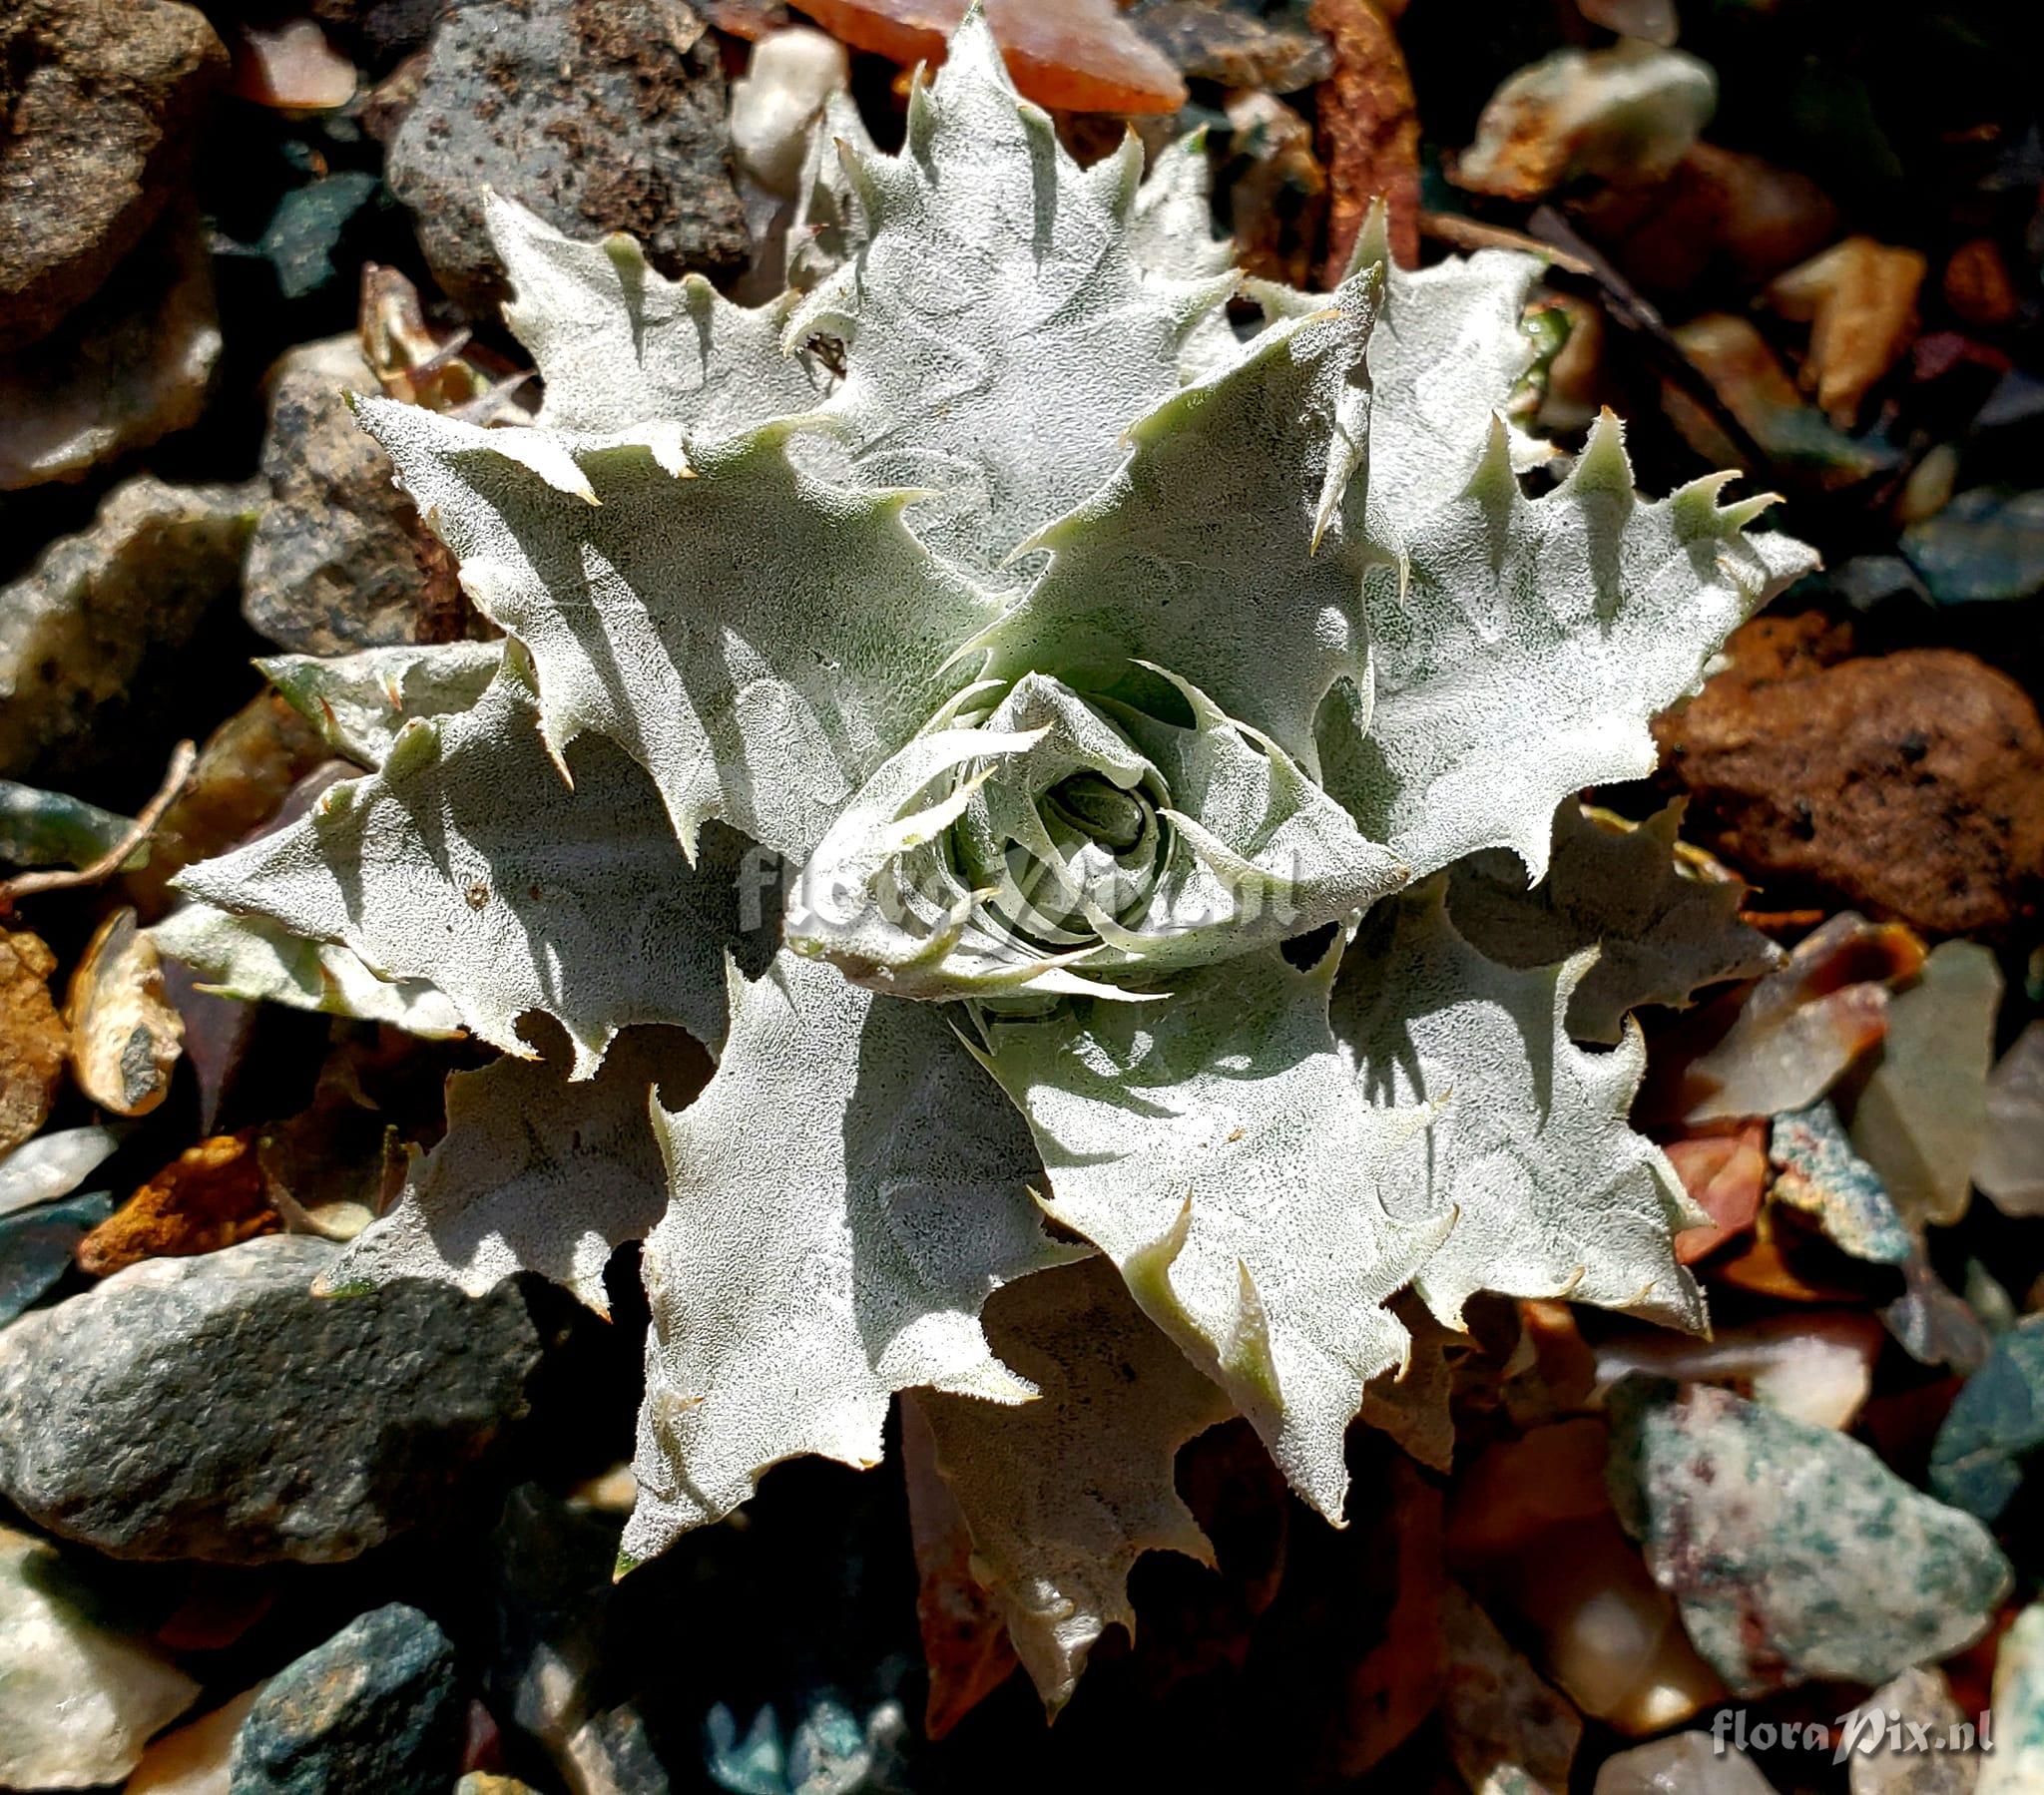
(1869, 1731)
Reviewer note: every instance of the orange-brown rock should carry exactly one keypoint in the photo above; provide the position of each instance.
(33, 1042)
(1859, 300)
(1910, 785)
(1369, 129)
(1073, 55)
(1726, 1175)
(245, 769)
(210, 1196)
(964, 1640)
(1977, 284)
(1721, 211)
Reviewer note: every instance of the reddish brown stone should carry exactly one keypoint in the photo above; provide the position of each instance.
(1720, 212)
(1368, 127)
(1910, 785)
(964, 1640)
(245, 769)
(1726, 1175)
(1977, 284)
(210, 1196)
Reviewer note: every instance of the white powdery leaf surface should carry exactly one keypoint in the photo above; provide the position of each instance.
(999, 331)
(617, 343)
(468, 862)
(1444, 357)
(845, 1195)
(260, 961)
(1062, 1494)
(1211, 1145)
(534, 1173)
(754, 638)
(1532, 645)
(1551, 1191)
(1660, 933)
(1219, 551)
(358, 702)
(1171, 233)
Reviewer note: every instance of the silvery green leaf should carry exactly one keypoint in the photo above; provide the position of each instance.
(1171, 225)
(358, 702)
(1170, 232)
(1552, 1192)
(829, 222)
(1411, 1402)
(1662, 930)
(1530, 644)
(534, 1173)
(1000, 333)
(1213, 1146)
(1062, 1494)
(617, 343)
(757, 640)
(1031, 838)
(1444, 358)
(468, 862)
(1218, 550)
(1041, 640)
(834, 1224)
(260, 960)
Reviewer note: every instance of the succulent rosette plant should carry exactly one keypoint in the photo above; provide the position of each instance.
(1039, 739)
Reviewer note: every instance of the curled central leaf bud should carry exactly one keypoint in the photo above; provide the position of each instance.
(1112, 818)
(1036, 836)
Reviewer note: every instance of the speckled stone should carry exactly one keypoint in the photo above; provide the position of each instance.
(1682, 1764)
(1817, 1170)
(331, 565)
(1996, 1423)
(214, 1408)
(79, 627)
(1791, 1551)
(2016, 1766)
(104, 102)
(1918, 1697)
(598, 115)
(378, 1708)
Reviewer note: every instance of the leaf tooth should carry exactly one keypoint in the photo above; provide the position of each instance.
(1187, 301)
(416, 748)
(1693, 508)
(1494, 482)
(1113, 181)
(1603, 466)
(1246, 1354)
(1736, 516)
(1372, 242)
(975, 54)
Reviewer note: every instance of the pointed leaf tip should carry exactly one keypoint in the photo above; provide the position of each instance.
(1604, 466)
